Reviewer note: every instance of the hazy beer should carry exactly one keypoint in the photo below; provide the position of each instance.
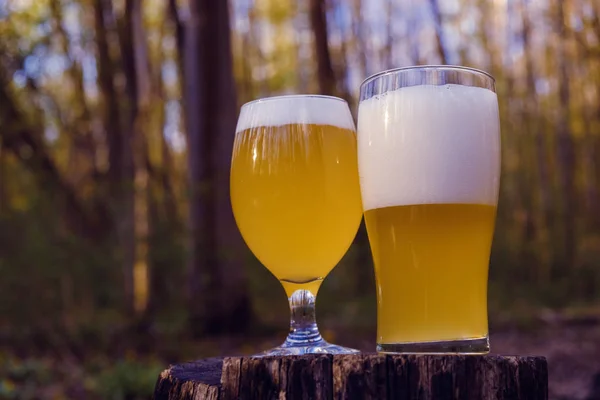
(294, 186)
(429, 171)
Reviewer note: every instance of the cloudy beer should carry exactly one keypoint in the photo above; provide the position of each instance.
(429, 173)
(294, 186)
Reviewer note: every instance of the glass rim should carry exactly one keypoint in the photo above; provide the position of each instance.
(292, 96)
(424, 67)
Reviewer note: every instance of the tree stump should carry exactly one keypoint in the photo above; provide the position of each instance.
(363, 376)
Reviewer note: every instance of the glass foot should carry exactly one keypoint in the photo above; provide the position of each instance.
(304, 336)
(289, 348)
(464, 346)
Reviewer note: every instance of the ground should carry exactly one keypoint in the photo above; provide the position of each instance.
(572, 349)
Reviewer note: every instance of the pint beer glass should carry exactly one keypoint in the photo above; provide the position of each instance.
(429, 164)
(296, 199)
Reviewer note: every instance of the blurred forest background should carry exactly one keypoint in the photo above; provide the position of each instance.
(118, 249)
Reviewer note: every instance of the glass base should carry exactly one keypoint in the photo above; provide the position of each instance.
(464, 346)
(289, 348)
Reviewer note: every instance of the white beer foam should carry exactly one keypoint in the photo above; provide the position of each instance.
(286, 110)
(429, 144)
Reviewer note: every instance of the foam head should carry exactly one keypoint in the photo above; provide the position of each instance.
(429, 144)
(285, 110)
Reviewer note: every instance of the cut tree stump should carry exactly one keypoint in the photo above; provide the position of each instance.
(363, 376)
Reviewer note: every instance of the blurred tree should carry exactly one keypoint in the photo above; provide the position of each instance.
(565, 147)
(117, 131)
(217, 295)
(325, 74)
(439, 31)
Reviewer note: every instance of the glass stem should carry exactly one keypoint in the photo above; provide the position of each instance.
(303, 324)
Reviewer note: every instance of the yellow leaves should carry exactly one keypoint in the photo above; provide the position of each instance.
(7, 386)
(140, 282)
(21, 5)
(15, 183)
(275, 11)
(25, 19)
(19, 202)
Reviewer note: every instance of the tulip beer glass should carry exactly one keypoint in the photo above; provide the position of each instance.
(296, 199)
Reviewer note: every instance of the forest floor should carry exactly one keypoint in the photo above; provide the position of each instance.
(572, 349)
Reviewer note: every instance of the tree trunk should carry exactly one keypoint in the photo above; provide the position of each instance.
(538, 214)
(565, 147)
(389, 40)
(365, 376)
(2, 178)
(231, 250)
(360, 46)
(532, 111)
(325, 74)
(200, 224)
(217, 293)
(141, 127)
(163, 213)
(179, 30)
(439, 31)
(120, 173)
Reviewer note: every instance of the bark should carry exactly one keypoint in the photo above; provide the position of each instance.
(120, 175)
(590, 113)
(201, 246)
(360, 46)
(179, 29)
(110, 109)
(364, 376)
(592, 146)
(2, 178)
(590, 150)
(325, 73)
(163, 173)
(341, 70)
(217, 294)
(232, 294)
(247, 81)
(534, 133)
(141, 125)
(565, 147)
(532, 111)
(439, 31)
(136, 164)
(414, 48)
(389, 40)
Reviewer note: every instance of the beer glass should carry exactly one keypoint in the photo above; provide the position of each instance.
(429, 165)
(296, 199)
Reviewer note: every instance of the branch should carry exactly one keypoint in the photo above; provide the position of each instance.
(21, 139)
(439, 33)
(325, 74)
(179, 31)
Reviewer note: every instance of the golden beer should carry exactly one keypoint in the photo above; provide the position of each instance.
(429, 163)
(296, 198)
(431, 267)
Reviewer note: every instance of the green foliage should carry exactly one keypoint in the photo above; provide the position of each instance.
(128, 380)
(23, 379)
